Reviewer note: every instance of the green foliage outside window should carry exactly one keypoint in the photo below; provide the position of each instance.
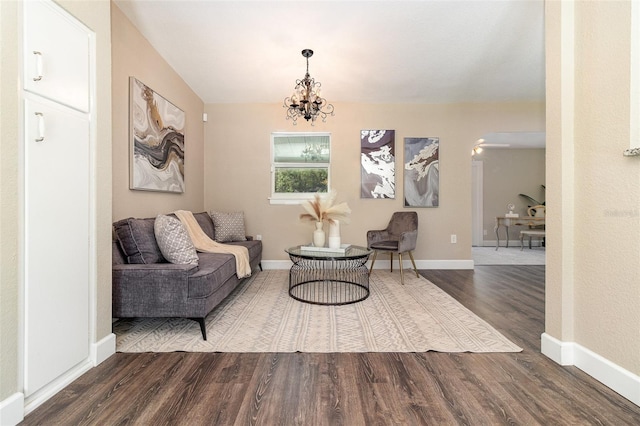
(301, 180)
(300, 164)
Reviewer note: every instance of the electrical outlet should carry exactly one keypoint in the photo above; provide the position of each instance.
(454, 238)
(484, 232)
(258, 237)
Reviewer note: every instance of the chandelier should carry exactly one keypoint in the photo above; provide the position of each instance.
(306, 100)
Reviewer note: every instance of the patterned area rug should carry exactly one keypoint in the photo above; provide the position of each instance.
(261, 317)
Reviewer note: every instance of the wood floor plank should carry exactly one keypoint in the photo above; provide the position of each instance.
(183, 391)
(292, 390)
(263, 401)
(224, 385)
(339, 390)
(142, 399)
(357, 388)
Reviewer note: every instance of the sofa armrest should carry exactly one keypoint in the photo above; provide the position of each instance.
(151, 290)
(152, 274)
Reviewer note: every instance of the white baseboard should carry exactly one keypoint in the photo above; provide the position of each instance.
(384, 264)
(12, 410)
(559, 352)
(276, 264)
(437, 264)
(103, 349)
(611, 375)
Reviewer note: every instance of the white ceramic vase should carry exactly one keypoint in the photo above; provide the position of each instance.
(334, 234)
(318, 235)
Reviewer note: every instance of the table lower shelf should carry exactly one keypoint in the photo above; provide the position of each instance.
(320, 284)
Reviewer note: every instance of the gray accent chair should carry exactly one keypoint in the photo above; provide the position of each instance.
(399, 237)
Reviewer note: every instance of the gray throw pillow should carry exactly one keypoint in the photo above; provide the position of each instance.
(137, 240)
(174, 241)
(228, 226)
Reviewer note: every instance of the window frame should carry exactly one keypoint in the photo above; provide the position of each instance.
(295, 198)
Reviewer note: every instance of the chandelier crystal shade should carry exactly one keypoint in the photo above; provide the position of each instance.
(306, 100)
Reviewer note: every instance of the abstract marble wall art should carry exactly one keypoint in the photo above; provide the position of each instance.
(157, 141)
(421, 172)
(377, 164)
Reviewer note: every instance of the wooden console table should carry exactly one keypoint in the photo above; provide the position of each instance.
(513, 221)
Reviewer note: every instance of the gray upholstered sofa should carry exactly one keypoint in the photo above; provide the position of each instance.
(145, 285)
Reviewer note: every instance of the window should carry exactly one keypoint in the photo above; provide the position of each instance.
(299, 166)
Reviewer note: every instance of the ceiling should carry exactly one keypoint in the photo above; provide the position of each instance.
(392, 51)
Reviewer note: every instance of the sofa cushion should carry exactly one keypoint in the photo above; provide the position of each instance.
(117, 256)
(214, 270)
(205, 222)
(174, 241)
(138, 241)
(254, 247)
(228, 226)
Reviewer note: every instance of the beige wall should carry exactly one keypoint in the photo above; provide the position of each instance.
(9, 148)
(237, 168)
(94, 14)
(134, 56)
(507, 173)
(593, 272)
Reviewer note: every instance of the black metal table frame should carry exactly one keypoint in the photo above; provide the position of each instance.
(329, 278)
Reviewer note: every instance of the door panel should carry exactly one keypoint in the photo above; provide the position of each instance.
(56, 56)
(56, 241)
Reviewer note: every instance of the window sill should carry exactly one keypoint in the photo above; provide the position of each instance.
(286, 201)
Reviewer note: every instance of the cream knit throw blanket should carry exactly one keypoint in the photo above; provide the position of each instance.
(203, 243)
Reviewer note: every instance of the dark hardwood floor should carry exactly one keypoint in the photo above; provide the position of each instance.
(353, 388)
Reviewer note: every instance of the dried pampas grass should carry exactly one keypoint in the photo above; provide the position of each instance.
(321, 209)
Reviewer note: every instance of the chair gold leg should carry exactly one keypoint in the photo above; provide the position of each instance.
(391, 260)
(375, 254)
(414, 265)
(401, 269)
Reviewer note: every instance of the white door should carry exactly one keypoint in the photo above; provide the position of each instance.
(57, 137)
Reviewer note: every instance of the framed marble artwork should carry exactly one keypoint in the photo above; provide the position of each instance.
(421, 172)
(377, 164)
(157, 133)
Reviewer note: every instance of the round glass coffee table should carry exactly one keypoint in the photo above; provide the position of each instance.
(329, 278)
